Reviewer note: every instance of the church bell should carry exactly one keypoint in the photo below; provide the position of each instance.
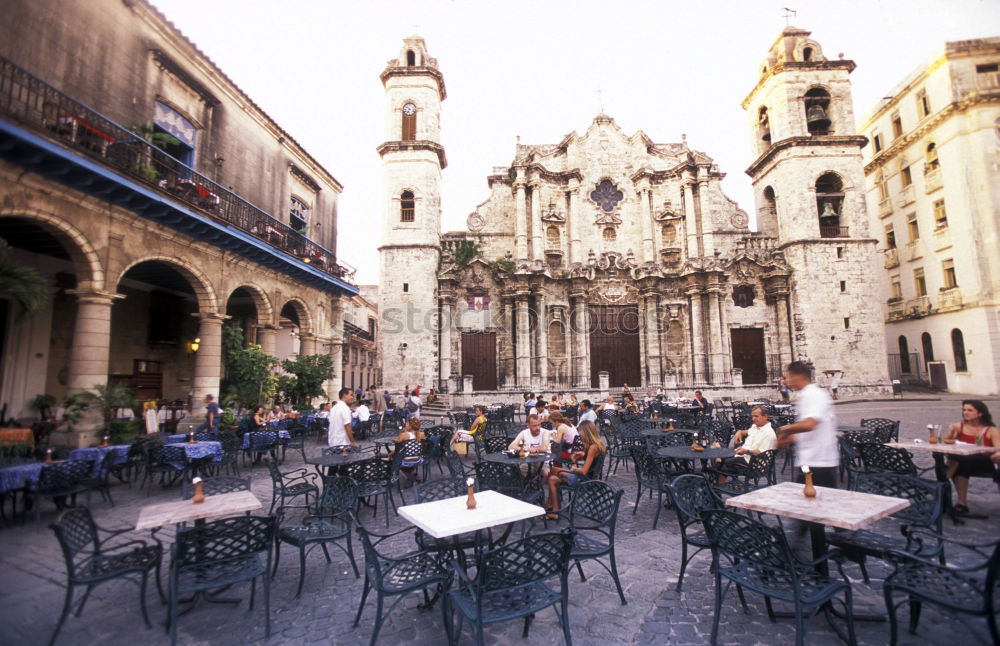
(816, 117)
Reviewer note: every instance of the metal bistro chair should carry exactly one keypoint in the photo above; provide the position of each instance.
(966, 590)
(259, 444)
(374, 479)
(397, 576)
(925, 511)
(91, 560)
(885, 430)
(60, 483)
(291, 485)
(692, 494)
(330, 523)
(760, 560)
(648, 476)
(593, 515)
(512, 582)
(218, 554)
(761, 468)
(441, 489)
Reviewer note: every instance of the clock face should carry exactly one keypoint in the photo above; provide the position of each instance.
(409, 109)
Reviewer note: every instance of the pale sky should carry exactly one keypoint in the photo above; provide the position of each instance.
(532, 68)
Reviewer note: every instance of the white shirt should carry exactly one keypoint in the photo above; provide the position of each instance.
(323, 414)
(540, 440)
(340, 417)
(362, 413)
(818, 447)
(759, 438)
(415, 400)
(588, 416)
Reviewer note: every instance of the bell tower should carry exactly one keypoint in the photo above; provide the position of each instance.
(412, 160)
(808, 180)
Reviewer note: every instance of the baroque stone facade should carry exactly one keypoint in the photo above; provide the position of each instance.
(608, 252)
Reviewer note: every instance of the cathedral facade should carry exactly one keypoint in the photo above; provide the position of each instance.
(608, 259)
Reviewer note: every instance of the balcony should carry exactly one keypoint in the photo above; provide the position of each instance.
(932, 180)
(918, 307)
(897, 310)
(97, 156)
(891, 258)
(941, 238)
(833, 232)
(949, 299)
(906, 196)
(914, 250)
(885, 207)
(988, 81)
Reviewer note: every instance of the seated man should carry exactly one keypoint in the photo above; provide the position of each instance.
(755, 440)
(587, 413)
(533, 439)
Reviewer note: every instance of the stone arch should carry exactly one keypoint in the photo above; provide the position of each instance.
(265, 311)
(86, 261)
(208, 303)
(302, 312)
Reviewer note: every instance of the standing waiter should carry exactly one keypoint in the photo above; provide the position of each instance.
(815, 429)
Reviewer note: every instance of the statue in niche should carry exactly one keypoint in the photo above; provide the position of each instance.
(743, 295)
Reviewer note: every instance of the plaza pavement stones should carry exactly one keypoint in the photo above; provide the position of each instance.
(32, 578)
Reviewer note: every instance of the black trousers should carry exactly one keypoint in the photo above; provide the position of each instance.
(822, 476)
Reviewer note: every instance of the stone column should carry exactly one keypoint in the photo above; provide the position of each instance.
(574, 222)
(267, 337)
(90, 351)
(520, 220)
(445, 320)
(691, 228)
(307, 344)
(510, 380)
(714, 335)
(697, 336)
(208, 361)
(537, 240)
(543, 337)
(707, 243)
(646, 219)
(727, 351)
(523, 342)
(652, 326)
(783, 331)
(581, 353)
(335, 347)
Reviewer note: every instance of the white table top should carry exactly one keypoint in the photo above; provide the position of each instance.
(958, 448)
(834, 507)
(183, 511)
(448, 517)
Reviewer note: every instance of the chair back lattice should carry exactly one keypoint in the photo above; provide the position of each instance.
(454, 463)
(885, 430)
(495, 444)
(647, 468)
(440, 489)
(501, 477)
(670, 438)
(370, 470)
(762, 465)
(63, 476)
(692, 494)
(634, 427)
(216, 485)
(207, 436)
(462, 420)
(340, 494)
(223, 540)
(850, 447)
(713, 430)
(408, 450)
(76, 531)
(881, 458)
(748, 541)
(520, 563)
(499, 428)
(595, 504)
(926, 496)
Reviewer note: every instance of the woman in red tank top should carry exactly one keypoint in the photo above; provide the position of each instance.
(976, 427)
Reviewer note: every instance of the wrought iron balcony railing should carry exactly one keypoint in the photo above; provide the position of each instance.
(36, 105)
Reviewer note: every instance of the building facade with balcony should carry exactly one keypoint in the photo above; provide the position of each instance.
(606, 253)
(932, 176)
(360, 356)
(161, 201)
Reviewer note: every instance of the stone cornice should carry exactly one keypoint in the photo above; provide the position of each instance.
(409, 146)
(416, 70)
(804, 141)
(927, 125)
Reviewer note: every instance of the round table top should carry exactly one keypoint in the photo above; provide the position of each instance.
(657, 432)
(338, 460)
(685, 453)
(506, 459)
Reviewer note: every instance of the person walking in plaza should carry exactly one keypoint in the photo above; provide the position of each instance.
(340, 432)
(211, 416)
(976, 427)
(814, 432)
(834, 384)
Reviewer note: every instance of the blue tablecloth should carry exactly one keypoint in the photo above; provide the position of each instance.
(199, 450)
(178, 438)
(17, 476)
(282, 435)
(97, 453)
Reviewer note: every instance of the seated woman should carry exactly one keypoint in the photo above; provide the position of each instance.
(593, 448)
(410, 432)
(564, 435)
(977, 424)
(259, 419)
(475, 430)
(630, 404)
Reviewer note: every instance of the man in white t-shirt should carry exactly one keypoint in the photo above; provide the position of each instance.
(360, 412)
(340, 433)
(815, 429)
(535, 439)
(587, 413)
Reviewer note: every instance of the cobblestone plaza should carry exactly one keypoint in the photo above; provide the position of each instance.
(32, 579)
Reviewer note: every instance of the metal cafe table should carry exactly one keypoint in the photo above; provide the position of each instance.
(939, 450)
(337, 461)
(183, 511)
